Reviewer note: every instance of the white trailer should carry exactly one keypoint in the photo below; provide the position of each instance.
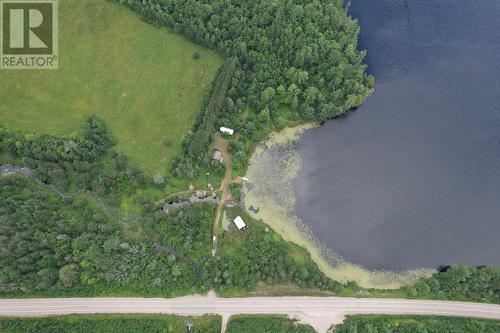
(226, 130)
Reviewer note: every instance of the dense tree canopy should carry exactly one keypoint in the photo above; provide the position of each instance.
(50, 244)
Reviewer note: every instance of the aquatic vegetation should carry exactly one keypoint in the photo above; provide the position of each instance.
(271, 173)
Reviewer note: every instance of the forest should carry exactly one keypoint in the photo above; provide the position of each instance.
(70, 246)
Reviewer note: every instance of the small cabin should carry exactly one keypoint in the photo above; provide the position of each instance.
(226, 130)
(240, 224)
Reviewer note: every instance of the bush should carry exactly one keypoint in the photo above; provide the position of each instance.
(235, 191)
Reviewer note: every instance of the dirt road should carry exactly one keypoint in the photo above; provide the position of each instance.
(320, 312)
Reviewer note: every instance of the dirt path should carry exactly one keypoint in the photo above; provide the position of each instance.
(221, 145)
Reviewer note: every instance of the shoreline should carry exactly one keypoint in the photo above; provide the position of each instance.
(273, 195)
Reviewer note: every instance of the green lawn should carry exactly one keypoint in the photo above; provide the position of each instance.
(141, 80)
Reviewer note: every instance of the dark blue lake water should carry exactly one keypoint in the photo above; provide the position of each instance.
(412, 178)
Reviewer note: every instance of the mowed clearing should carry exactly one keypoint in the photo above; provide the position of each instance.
(141, 80)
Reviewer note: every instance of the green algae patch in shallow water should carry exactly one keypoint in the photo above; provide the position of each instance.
(271, 173)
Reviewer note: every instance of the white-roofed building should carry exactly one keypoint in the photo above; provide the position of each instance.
(240, 224)
(226, 130)
(217, 156)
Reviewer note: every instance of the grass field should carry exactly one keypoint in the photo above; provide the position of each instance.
(141, 80)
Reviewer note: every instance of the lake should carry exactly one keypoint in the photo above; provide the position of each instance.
(412, 178)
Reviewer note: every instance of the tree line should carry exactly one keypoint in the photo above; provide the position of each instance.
(112, 324)
(415, 324)
(481, 284)
(203, 131)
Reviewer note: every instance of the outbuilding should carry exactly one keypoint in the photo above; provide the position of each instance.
(217, 156)
(226, 130)
(240, 224)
